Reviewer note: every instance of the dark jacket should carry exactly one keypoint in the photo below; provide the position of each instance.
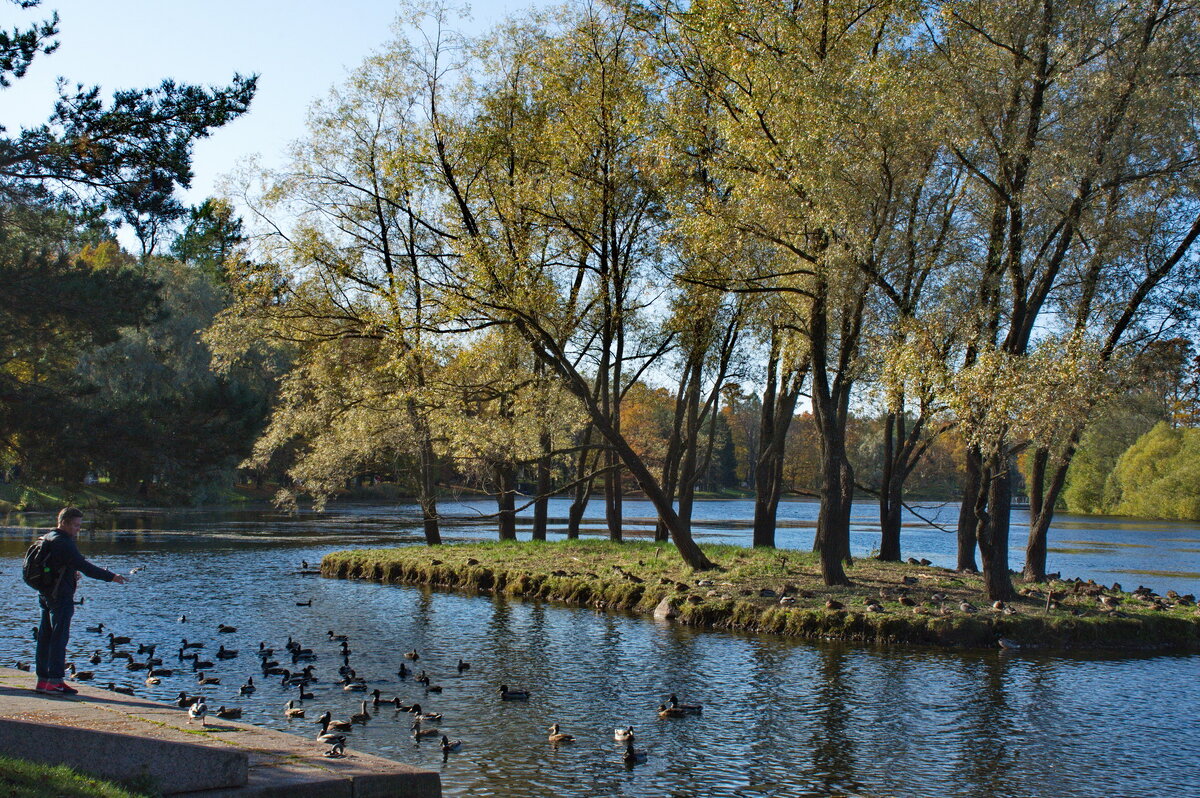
(65, 554)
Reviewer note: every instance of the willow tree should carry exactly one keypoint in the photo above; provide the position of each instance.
(811, 115)
(555, 218)
(335, 274)
(501, 415)
(1076, 133)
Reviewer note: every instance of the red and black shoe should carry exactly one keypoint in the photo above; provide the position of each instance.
(42, 686)
(58, 688)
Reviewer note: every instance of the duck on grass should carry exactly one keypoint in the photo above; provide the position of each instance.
(781, 592)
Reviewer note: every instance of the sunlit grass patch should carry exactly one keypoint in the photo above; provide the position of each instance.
(22, 779)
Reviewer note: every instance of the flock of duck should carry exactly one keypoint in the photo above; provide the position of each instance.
(301, 676)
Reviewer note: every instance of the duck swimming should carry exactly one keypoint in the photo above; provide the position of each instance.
(449, 745)
(621, 734)
(292, 711)
(632, 756)
(513, 695)
(689, 709)
(361, 717)
(557, 736)
(416, 710)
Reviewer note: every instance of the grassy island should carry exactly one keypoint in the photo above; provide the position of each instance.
(780, 592)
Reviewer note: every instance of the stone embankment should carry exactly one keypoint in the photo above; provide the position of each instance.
(122, 738)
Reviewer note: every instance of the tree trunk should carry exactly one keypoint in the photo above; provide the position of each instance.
(891, 509)
(612, 496)
(1043, 498)
(890, 491)
(778, 409)
(832, 539)
(427, 479)
(967, 520)
(583, 487)
(541, 505)
(506, 499)
(992, 512)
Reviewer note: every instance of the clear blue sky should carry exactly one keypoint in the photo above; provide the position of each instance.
(299, 48)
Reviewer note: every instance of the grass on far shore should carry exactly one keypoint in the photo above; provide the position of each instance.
(23, 779)
(780, 591)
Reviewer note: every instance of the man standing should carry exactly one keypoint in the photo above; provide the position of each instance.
(58, 604)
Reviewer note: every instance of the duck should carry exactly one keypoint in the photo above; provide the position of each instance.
(324, 736)
(183, 619)
(355, 686)
(202, 679)
(120, 655)
(184, 644)
(665, 711)
(162, 672)
(337, 638)
(557, 736)
(232, 713)
(225, 653)
(147, 649)
(462, 666)
(114, 641)
(184, 701)
(361, 716)
(413, 655)
(137, 666)
(81, 676)
(198, 710)
(449, 745)
(689, 709)
(403, 672)
(227, 630)
(421, 715)
(623, 733)
(337, 750)
(152, 681)
(400, 706)
(97, 629)
(248, 687)
(418, 731)
(327, 720)
(304, 695)
(24, 666)
(200, 664)
(631, 755)
(292, 711)
(513, 695)
(95, 658)
(120, 689)
(304, 603)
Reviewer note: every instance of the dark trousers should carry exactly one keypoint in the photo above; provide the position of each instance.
(53, 635)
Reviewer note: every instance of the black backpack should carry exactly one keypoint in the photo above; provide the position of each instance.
(38, 571)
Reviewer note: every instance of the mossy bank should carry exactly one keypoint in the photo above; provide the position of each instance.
(780, 592)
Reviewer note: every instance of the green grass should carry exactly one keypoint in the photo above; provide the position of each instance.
(22, 779)
(745, 592)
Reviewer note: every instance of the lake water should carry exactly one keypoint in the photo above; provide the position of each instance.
(781, 717)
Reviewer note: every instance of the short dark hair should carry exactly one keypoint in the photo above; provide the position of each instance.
(68, 513)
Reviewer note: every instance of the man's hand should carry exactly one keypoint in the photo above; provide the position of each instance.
(120, 580)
